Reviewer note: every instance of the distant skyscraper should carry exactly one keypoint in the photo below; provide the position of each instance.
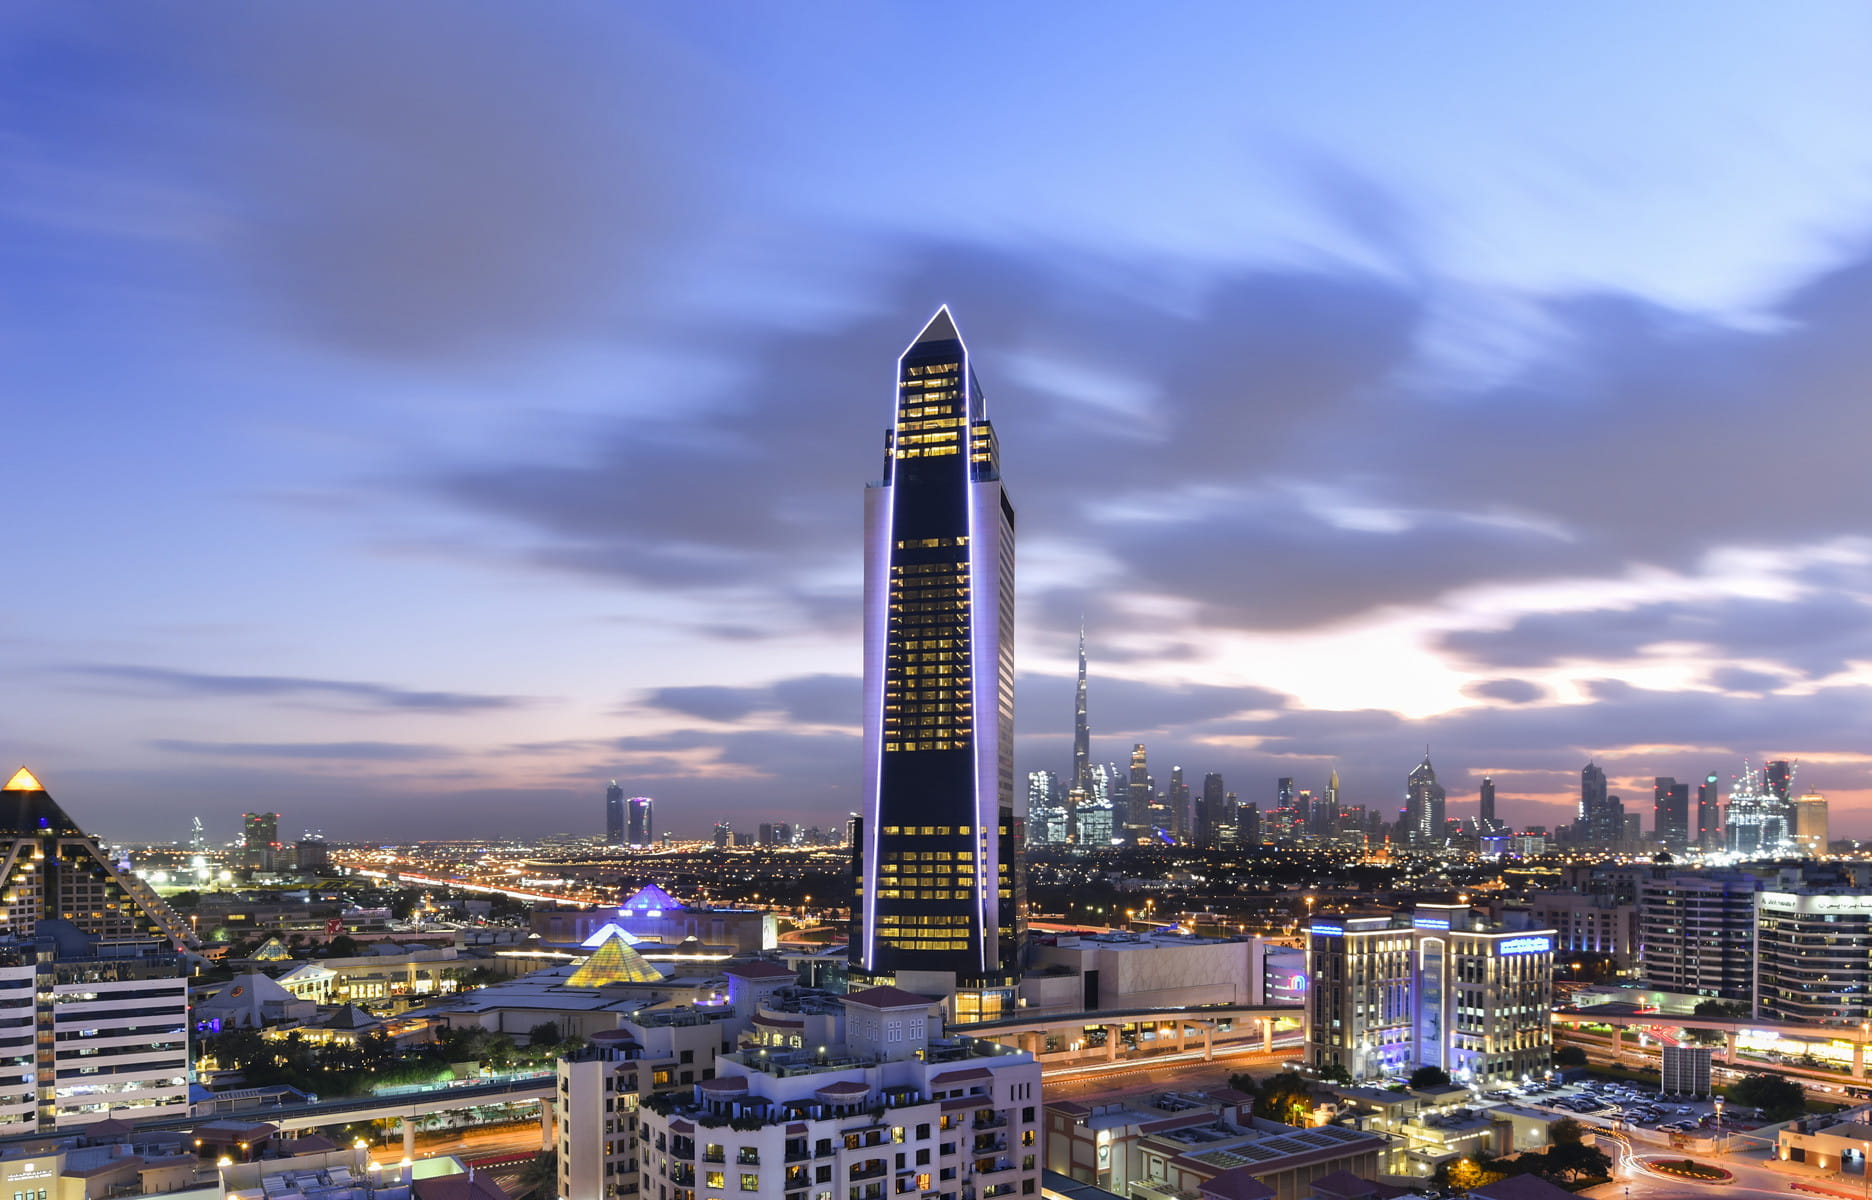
(1211, 811)
(1139, 795)
(1778, 778)
(1670, 809)
(943, 887)
(260, 840)
(640, 836)
(1179, 801)
(1485, 810)
(1326, 812)
(1600, 823)
(1810, 823)
(614, 815)
(1709, 815)
(1424, 804)
(724, 835)
(1082, 731)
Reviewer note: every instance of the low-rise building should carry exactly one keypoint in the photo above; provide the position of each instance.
(1176, 1144)
(884, 1107)
(1437, 986)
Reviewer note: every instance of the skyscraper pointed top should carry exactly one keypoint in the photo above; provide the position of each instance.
(23, 781)
(941, 328)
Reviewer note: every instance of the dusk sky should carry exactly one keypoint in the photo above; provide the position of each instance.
(419, 414)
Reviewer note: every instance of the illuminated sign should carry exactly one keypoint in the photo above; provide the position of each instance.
(1526, 945)
(1329, 930)
(1430, 922)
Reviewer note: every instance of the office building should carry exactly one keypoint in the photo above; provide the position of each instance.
(312, 855)
(1709, 815)
(1601, 820)
(1178, 799)
(1424, 802)
(1437, 986)
(93, 999)
(1813, 956)
(1048, 821)
(1696, 933)
(1810, 824)
(1485, 805)
(724, 835)
(1212, 811)
(1138, 795)
(260, 842)
(1589, 924)
(1670, 807)
(1199, 1146)
(857, 1097)
(942, 905)
(638, 835)
(614, 815)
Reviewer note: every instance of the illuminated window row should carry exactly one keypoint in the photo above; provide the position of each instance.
(907, 893)
(927, 944)
(933, 830)
(898, 747)
(931, 543)
(932, 369)
(941, 921)
(928, 452)
(927, 568)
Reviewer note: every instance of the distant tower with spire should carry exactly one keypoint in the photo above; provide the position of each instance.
(1082, 732)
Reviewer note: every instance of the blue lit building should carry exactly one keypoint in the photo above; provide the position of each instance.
(941, 889)
(1437, 986)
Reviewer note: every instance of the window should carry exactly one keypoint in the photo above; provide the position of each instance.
(715, 1179)
(750, 1181)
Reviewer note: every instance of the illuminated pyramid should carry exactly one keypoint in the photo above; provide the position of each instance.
(613, 962)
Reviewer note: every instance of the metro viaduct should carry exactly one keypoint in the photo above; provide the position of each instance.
(1730, 1027)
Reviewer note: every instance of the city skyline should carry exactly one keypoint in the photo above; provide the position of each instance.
(449, 433)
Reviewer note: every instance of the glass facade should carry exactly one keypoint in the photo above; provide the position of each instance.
(941, 882)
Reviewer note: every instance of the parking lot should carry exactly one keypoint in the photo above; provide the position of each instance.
(1627, 1105)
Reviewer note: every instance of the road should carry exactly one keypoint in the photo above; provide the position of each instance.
(1175, 1072)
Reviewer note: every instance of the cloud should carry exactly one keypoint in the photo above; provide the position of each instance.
(351, 693)
(347, 751)
(418, 182)
(1508, 691)
(1814, 634)
(801, 700)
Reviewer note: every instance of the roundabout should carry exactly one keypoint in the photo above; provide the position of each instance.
(1665, 1167)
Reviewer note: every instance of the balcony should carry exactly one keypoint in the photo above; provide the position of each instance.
(682, 1175)
(873, 1169)
(993, 1120)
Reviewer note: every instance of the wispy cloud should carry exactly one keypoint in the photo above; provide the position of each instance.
(346, 692)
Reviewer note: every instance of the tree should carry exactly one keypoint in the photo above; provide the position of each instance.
(1429, 1077)
(1244, 1082)
(1719, 1008)
(541, 1175)
(1778, 1097)
(1464, 1174)
(1569, 1056)
(546, 1033)
(1284, 1098)
(1335, 1073)
(342, 945)
(1572, 1160)
(1565, 1132)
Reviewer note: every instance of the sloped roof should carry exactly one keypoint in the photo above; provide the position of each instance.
(26, 809)
(1520, 1187)
(271, 950)
(1236, 1183)
(650, 896)
(613, 962)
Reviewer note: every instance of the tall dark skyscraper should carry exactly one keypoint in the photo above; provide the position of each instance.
(1485, 810)
(1082, 731)
(640, 833)
(1670, 811)
(614, 815)
(943, 885)
(260, 842)
(1178, 799)
(1212, 809)
(1709, 814)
